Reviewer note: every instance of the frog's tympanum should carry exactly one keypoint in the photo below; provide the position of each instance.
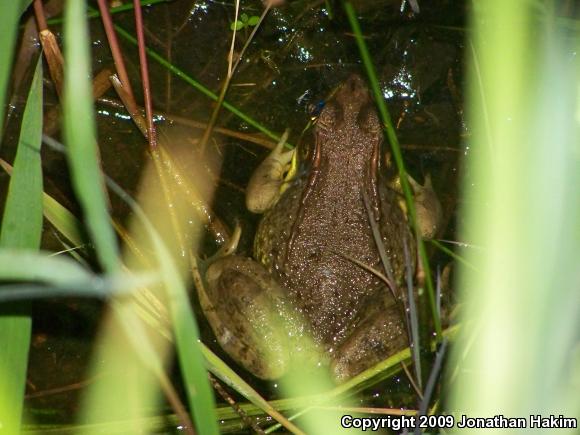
(305, 280)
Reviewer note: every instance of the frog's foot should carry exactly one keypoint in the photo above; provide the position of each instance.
(266, 184)
(252, 318)
(428, 207)
(378, 336)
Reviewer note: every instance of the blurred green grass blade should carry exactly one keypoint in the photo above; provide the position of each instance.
(21, 228)
(24, 4)
(20, 265)
(198, 390)
(9, 13)
(396, 149)
(518, 354)
(65, 276)
(79, 133)
(186, 332)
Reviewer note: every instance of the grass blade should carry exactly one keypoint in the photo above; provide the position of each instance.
(79, 133)
(21, 228)
(518, 352)
(10, 12)
(59, 216)
(186, 332)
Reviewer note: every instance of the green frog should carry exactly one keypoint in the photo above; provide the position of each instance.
(313, 249)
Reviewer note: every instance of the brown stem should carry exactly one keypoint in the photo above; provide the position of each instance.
(145, 75)
(39, 14)
(115, 47)
(230, 400)
(258, 139)
(50, 48)
(54, 59)
(176, 404)
(129, 104)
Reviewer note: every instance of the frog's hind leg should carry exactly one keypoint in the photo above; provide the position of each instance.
(377, 336)
(253, 319)
(243, 307)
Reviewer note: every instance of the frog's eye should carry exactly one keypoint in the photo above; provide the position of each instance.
(330, 116)
(314, 110)
(368, 120)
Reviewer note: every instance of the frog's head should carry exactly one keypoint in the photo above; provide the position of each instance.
(350, 117)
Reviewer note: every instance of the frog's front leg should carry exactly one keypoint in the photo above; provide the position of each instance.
(428, 208)
(252, 318)
(266, 184)
(380, 334)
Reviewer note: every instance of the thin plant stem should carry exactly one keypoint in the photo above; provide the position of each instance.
(115, 48)
(235, 406)
(50, 47)
(232, 45)
(198, 86)
(176, 404)
(145, 75)
(39, 15)
(229, 76)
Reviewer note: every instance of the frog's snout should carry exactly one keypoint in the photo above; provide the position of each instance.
(353, 93)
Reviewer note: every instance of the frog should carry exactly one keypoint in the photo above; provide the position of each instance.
(313, 272)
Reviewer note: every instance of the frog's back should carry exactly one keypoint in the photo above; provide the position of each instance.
(309, 239)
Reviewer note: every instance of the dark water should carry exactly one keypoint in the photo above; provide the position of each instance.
(302, 52)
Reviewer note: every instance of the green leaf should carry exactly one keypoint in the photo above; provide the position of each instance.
(62, 219)
(233, 380)
(21, 228)
(24, 4)
(244, 18)
(79, 133)
(237, 25)
(26, 265)
(254, 19)
(9, 13)
(25, 190)
(61, 276)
